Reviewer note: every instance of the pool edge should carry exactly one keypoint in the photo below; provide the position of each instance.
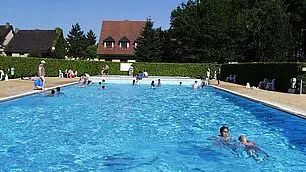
(267, 103)
(5, 99)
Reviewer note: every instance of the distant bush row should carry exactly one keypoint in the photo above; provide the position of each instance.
(246, 72)
(29, 67)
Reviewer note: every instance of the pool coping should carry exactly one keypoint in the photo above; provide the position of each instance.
(4, 99)
(267, 103)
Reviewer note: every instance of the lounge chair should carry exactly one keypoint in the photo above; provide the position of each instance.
(270, 85)
(60, 74)
(262, 84)
(231, 78)
(2, 76)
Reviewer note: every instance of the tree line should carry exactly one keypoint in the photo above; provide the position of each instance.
(228, 30)
(80, 45)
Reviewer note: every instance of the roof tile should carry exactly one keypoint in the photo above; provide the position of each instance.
(118, 30)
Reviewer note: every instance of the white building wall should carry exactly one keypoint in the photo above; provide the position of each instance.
(25, 55)
(15, 55)
(116, 60)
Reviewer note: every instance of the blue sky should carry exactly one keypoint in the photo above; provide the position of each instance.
(48, 14)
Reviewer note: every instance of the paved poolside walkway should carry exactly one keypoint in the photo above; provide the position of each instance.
(17, 86)
(294, 103)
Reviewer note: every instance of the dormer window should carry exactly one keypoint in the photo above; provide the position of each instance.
(109, 42)
(124, 43)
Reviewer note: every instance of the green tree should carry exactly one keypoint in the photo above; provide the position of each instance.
(225, 30)
(149, 48)
(91, 37)
(297, 12)
(172, 48)
(1, 41)
(59, 44)
(91, 51)
(77, 43)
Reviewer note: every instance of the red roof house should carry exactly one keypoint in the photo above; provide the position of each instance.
(118, 39)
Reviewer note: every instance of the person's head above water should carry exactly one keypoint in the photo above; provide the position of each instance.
(242, 138)
(224, 131)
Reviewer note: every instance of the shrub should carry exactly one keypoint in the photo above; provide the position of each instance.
(29, 67)
(256, 72)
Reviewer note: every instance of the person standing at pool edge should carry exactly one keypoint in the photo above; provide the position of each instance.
(105, 70)
(41, 72)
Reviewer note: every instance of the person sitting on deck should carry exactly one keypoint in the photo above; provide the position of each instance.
(38, 84)
(139, 77)
(145, 74)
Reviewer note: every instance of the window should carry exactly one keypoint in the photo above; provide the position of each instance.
(108, 44)
(124, 45)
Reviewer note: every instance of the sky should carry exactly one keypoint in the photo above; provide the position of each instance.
(48, 14)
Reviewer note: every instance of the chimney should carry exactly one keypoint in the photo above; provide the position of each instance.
(16, 30)
(7, 25)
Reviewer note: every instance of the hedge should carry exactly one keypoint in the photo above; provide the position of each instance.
(253, 73)
(29, 67)
(246, 72)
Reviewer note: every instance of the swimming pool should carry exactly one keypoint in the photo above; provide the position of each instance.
(136, 128)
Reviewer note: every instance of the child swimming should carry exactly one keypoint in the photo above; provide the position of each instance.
(252, 148)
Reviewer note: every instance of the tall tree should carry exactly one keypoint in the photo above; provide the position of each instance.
(59, 44)
(91, 37)
(91, 51)
(225, 30)
(77, 42)
(172, 48)
(1, 41)
(149, 48)
(297, 12)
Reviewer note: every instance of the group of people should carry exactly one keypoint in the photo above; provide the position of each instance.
(70, 73)
(52, 92)
(85, 80)
(252, 149)
(205, 82)
(158, 83)
(144, 74)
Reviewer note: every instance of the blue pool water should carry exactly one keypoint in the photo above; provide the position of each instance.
(136, 128)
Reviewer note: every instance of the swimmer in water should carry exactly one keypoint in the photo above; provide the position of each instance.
(225, 141)
(251, 147)
(195, 85)
(223, 137)
(152, 84)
